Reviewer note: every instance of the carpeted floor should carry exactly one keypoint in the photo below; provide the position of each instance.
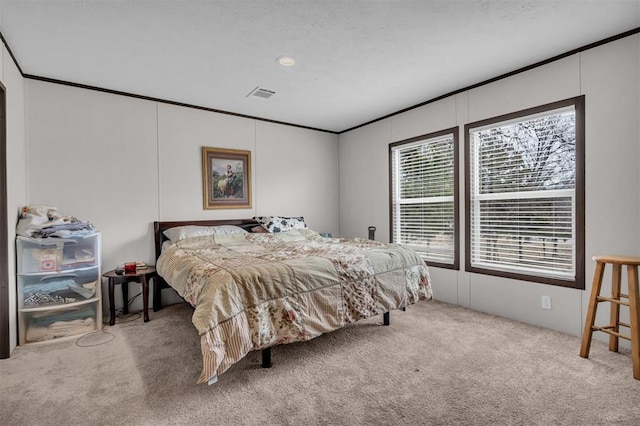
(437, 364)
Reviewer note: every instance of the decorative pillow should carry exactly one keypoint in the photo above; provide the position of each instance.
(280, 223)
(181, 232)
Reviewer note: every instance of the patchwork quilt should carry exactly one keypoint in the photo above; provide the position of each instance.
(253, 291)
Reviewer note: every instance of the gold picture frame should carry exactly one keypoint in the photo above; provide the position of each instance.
(226, 178)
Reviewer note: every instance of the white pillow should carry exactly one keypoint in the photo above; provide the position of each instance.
(181, 232)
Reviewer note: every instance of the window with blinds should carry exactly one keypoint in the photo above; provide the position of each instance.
(424, 196)
(525, 195)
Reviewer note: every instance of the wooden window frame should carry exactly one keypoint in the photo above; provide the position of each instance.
(455, 132)
(578, 280)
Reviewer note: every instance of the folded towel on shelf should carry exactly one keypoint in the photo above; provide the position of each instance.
(38, 333)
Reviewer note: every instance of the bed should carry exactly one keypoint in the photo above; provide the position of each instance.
(255, 290)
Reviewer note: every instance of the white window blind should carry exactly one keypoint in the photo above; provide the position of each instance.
(423, 188)
(522, 195)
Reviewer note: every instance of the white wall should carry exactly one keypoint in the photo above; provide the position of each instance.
(611, 80)
(608, 76)
(93, 155)
(364, 181)
(298, 175)
(16, 170)
(293, 169)
(123, 163)
(182, 132)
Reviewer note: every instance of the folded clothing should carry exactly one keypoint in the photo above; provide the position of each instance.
(41, 221)
(58, 291)
(48, 325)
(36, 333)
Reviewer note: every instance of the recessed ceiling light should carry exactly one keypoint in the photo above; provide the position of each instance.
(286, 61)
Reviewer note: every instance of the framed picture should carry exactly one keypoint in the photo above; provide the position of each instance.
(226, 178)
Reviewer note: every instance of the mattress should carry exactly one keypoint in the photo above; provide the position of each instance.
(253, 291)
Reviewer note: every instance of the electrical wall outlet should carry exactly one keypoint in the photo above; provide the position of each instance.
(546, 302)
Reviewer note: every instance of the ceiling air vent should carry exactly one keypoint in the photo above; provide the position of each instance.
(261, 93)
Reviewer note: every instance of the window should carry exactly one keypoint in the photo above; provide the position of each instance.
(525, 195)
(424, 196)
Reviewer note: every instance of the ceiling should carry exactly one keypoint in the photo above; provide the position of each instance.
(356, 60)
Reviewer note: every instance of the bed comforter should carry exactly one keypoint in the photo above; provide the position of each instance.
(252, 291)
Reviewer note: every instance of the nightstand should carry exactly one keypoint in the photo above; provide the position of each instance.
(142, 276)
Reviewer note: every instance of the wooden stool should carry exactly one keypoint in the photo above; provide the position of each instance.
(142, 276)
(613, 329)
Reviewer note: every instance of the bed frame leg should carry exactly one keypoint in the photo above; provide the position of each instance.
(386, 320)
(266, 358)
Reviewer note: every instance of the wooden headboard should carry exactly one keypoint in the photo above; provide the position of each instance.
(160, 227)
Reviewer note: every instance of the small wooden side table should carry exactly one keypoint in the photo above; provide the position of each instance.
(142, 276)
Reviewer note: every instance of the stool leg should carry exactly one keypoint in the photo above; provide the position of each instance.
(591, 312)
(145, 297)
(112, 304)
(615, 308)
(157, 295)
(632, 273)
(125, 297)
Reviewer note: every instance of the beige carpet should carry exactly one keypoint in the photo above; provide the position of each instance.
(437, 364)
